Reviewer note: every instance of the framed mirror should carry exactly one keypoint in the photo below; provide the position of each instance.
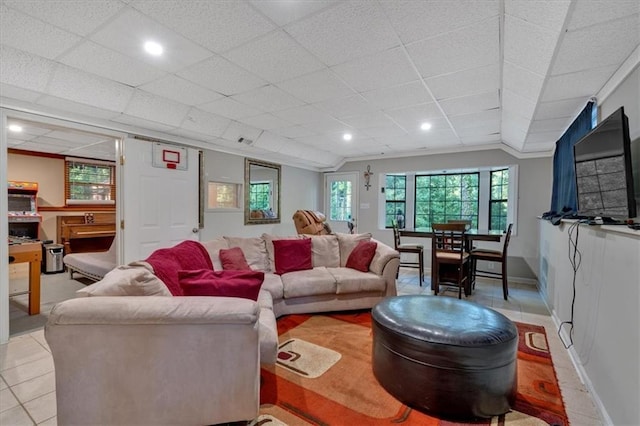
(261, 192)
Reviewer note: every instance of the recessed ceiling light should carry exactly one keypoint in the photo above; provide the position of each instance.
(425, 126)
(15, 128)
(153, 48)
(347, 136)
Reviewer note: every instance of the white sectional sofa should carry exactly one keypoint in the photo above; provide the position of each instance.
(108, 348)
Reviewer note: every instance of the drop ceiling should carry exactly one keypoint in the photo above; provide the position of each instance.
(291, 77)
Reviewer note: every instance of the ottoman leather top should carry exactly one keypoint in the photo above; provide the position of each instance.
(444, 320)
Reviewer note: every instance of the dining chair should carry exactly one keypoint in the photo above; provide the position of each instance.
(449, 259)
(492, 256)
(416, 249)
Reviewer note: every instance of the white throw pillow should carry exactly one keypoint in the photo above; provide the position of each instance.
(348, 242)
(325, 250)
(254, 250)
(213, 248)
(127, 280)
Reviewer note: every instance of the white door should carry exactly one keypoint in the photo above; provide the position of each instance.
(341, 201)
(160, 207)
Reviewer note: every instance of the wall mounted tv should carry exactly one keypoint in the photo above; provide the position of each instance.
(604, 176)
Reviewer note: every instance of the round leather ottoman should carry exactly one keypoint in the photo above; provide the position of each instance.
(446, 356)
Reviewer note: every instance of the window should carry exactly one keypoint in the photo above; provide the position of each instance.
(223, 195)
(341, 193)
(396, 194)
(498, 202)
(89, 181)
(260, 196)
(443, 197)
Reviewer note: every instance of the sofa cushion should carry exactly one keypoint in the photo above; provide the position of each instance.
(325, 250)
(213, 247)
(254, 250)
(292, 255)
(233, 259)
(361, 256)
(383, 255)
(273, 284)
(268, 240)
(308, 283)
(205, 282)
(127, 280)
(268, 336)
(347, 242)
(352, 281)
(265, 300)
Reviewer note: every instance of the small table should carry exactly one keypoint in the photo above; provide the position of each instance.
(446, 356)
(29, 252)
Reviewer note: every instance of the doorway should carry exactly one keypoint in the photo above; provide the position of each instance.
(341, 201)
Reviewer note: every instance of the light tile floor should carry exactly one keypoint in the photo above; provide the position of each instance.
(27, 386)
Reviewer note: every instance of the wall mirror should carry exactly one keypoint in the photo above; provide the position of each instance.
(261, 192)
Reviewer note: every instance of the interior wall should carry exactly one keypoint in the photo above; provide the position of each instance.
(534, 195)
(301, 189)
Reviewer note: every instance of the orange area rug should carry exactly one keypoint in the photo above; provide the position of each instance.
(324, 377)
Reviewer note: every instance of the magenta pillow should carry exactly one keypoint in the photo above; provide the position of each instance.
(292, 255)
(233, 259)
(205, 282)
(361, 256)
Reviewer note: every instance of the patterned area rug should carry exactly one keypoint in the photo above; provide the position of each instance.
(323, 377)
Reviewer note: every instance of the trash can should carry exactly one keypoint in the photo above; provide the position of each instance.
(52, 258)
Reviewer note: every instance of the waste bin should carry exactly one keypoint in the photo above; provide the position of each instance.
(52, 258)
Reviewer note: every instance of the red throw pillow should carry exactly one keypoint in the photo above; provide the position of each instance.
(292, 255)
(233, 259)
(361, 256)
(205, 282)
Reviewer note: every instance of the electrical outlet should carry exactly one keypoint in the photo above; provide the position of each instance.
(490, 265)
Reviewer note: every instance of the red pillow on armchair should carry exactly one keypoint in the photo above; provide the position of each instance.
(206, 282)
(361, 256)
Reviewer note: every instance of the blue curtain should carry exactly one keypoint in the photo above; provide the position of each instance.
(563, 196)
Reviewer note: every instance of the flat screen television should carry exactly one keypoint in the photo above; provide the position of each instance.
(603, 166)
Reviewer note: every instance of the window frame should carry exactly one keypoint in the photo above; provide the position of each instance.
(396, 201)
(212, 204)
(70, 162)
(493, 201)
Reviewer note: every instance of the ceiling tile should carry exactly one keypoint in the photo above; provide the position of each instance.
(271, 142)
(154, 108)
(32, 35)
(78, 86)
(564, 108)
(71, 15)
(237, 130)
(399, 96)
(230, 108)
(468, 121)
(480, 139)
(110, 64)
(521, 81)
(557, 125)
(542, 138)
(417, 20)
(302, 115)
(545, 13)
(465, 83)
(76, 107)
(598, 45)
(329, 125)
(412, 117)
(268, 98)
(543, 147)
(131, 29)
(24, 70)
(266, 121)
(384, 69)
(472, 47)
(142, 123)
(13, 92)
(471, 104)
(527, 45)
(516, 104)
(344, 107)
(275, 57)
(283, 12)
(217, 25)
(577, 84)
(375, 119)
(587, 13)
(293, 132)
(205, 122)
(72, 138)
(384, 131)
(222, 76)
(316, 87)
(181, 90)
(344, 32)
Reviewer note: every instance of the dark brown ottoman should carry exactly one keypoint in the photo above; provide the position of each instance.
(450, 357)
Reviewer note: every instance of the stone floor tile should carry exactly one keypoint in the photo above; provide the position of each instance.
(33, 388)
(15, 416)
(27, 371)
(7, 400)
(42, 408)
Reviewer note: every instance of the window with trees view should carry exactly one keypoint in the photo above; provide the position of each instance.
(260, 196)
(442, 197)
(89, 182)
(395, 204)
(499, 199)
(341, 195)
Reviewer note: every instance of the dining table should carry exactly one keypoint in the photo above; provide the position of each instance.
(471, 235)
